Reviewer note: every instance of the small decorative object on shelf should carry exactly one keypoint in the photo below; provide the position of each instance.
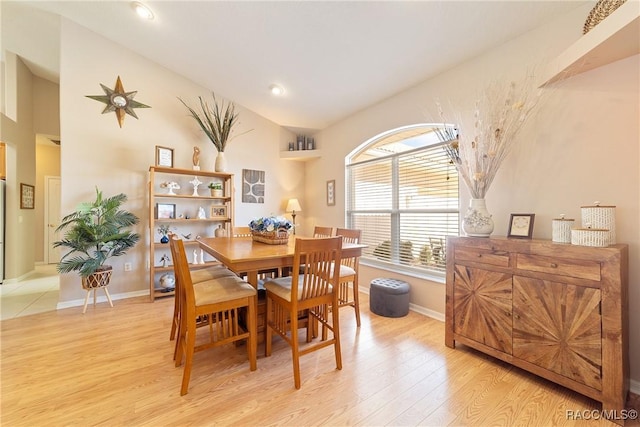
(220, 231)
(216, 189)
(602, 217)
(168, 282)
(270, 230)
(196, 159)
(561, 229)
(201, 214)
(170, 185)
(165, 259)
(164, 229)
(195, 182)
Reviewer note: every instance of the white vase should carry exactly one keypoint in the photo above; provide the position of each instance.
(221, 162)
(477, 222)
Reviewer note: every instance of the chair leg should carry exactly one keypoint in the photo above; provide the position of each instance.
(106, 291)
(295, 353)
(356, 302)
(186, 375)
(86, 300)
(267, 329)
(336, 335)
(252, 345)
(95, 297)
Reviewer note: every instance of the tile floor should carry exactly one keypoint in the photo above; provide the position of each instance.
(37, 293)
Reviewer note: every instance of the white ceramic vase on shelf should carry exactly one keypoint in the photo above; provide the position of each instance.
(477, 222)
(221, 162)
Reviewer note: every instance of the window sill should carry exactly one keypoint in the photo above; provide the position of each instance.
(432, 276)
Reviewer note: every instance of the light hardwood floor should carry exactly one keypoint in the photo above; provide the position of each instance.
(113, 367)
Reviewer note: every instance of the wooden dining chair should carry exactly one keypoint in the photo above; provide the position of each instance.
(313, 291)
(219, 299)
(241, 232)
(197, 275)
(262, 274)
(319, 231)
(349, 273)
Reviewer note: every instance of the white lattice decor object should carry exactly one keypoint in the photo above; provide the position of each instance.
(600, 217)
(561, 229)
(596, 237)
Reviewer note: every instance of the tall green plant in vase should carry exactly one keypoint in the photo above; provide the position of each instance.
(218, 123)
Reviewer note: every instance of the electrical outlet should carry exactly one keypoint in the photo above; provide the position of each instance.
(127, 266)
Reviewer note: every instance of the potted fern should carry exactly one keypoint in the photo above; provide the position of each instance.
(93, 234)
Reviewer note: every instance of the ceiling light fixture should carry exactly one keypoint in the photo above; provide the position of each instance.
(143, 11)
(276, 90)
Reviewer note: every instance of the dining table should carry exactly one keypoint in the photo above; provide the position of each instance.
(244, 255)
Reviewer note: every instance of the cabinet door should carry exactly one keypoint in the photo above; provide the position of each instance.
(558, 327)
(482, 306)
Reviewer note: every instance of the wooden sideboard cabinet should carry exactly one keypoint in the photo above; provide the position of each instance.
(556, 310)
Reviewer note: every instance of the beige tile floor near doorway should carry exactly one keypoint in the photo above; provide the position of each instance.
(36, 294)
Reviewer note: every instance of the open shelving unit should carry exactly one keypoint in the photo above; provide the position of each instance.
(183, 208)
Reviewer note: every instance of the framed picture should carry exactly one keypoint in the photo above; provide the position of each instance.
(521, 225)
(164, 156)
(165, 211)
(27, 196)
(331, 192)
(218, 211)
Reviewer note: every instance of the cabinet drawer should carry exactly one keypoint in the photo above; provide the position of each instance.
(580, 269)
(483, 256)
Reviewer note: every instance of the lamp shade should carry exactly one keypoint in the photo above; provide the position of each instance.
(293, 205)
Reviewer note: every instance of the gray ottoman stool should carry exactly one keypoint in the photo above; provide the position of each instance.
(389, 297)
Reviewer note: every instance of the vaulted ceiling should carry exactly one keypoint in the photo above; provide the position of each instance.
(332, 58)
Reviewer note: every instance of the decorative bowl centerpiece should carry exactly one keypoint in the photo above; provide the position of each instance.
(272, 230)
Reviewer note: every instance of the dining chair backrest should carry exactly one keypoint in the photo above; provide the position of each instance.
(312, 267)
(184, 285)
(319, 231)
(241, 232)
(349, 235)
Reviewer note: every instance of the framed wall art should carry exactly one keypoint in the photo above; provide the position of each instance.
(331, 192)
(253, 186)
(164, 156)
(165, 211)
(27, 196)
(521, 225)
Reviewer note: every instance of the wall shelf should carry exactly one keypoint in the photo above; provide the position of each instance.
(614, 38)
(301, 155)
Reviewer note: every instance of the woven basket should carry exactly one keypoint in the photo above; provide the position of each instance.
(99, 279)
(278, 237)
(601, 10)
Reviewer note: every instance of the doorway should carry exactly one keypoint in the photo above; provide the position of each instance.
(52, 186)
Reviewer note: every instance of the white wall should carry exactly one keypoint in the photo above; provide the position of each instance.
(582, 146)
(96, 152)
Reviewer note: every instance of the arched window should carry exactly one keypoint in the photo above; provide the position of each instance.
(402, 192)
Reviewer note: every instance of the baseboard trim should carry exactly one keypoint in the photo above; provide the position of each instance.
(101, 298)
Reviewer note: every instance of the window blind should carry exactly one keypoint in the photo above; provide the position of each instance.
(406, 204)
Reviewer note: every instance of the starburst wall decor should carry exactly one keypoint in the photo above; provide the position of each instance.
(119, 101)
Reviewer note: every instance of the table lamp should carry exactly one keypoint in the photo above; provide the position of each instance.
(293, 205)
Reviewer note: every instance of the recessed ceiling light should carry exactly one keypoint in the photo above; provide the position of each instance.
(276, 90)
(143, 11)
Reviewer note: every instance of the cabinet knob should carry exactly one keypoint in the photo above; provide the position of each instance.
(554, 265)
(479, 255)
